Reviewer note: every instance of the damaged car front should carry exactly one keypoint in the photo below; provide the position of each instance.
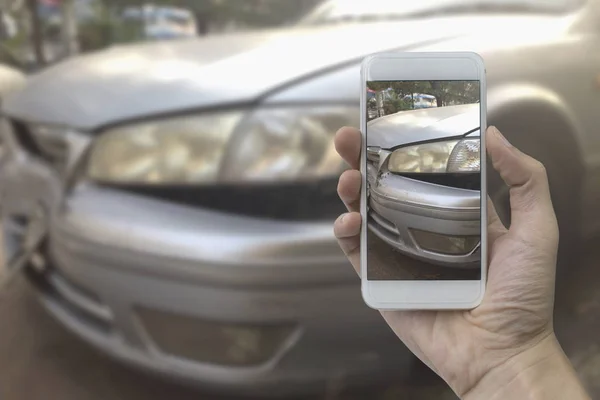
(189, 225)
(423, 181)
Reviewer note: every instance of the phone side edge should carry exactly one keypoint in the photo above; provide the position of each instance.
(483, 174)
(363, 191)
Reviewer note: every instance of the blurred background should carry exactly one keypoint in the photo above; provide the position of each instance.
(40, 33)
(168, 188)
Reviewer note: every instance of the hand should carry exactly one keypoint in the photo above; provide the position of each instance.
(512, 328)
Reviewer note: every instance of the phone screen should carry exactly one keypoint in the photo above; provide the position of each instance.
(423, 180)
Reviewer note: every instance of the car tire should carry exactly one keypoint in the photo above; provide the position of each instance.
(564, 180)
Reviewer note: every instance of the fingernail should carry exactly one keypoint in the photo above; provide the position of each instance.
(342, 218)
(500, 136)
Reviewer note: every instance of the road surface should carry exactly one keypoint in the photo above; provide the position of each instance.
(386, 263)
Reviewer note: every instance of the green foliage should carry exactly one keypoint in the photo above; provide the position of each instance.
(249, 12)
(11, 50)
(99, 34)
(395, 102)
(455, 92)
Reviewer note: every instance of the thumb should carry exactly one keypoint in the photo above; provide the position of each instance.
(530, 201)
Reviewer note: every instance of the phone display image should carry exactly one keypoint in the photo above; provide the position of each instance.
(423, 180)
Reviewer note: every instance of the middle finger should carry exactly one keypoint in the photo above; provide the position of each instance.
(349, 189)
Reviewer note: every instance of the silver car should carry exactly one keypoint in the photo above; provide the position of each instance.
(433, 217)
(11, 80)
(189, 188)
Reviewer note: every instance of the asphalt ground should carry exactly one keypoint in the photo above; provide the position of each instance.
(386, 263)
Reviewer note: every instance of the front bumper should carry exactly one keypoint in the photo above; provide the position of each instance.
(400, 205)
(121, 262)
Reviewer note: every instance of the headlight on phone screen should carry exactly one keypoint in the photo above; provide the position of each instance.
(266, 145)
(437, 157)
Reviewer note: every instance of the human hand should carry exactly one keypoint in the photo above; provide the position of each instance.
(480, 353)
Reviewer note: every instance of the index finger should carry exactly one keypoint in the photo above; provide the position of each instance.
(348, 143)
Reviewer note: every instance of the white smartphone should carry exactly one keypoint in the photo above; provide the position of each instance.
(424, 208)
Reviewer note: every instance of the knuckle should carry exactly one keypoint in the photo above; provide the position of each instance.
(539, 170)
(524, 199)
(341, 188)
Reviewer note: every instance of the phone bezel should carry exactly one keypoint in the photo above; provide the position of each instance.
(442, 294)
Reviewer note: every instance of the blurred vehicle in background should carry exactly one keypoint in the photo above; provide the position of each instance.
(162, 22)
(190, 186)
(421, 100)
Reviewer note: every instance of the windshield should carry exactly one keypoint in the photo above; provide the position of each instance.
(335, 11)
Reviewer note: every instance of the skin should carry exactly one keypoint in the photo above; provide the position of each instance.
(506, 347)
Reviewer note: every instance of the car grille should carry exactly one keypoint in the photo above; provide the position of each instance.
(50, 146)
(306, 201)
(471, 181)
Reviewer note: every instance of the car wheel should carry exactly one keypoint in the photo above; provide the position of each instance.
(564, 186)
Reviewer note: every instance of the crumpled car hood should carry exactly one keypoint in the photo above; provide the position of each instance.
(231, 70)
(134, 81)
(412, 126)
(11, 80)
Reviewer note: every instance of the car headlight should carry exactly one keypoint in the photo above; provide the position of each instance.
(178, 150)
(267, 145)
(437, 157)
(288, 144)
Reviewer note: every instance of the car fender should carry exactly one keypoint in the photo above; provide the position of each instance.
(540, 104)
(547, 114)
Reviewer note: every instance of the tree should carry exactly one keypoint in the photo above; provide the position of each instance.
(248, 12)
(438, 90)
(70, 27)
(218, 12)
(36, 32)
(455, 92)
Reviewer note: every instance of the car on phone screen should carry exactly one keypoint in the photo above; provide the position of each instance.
(190, 186)
(434, 217)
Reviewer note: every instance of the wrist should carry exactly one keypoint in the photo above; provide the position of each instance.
(540, 372)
